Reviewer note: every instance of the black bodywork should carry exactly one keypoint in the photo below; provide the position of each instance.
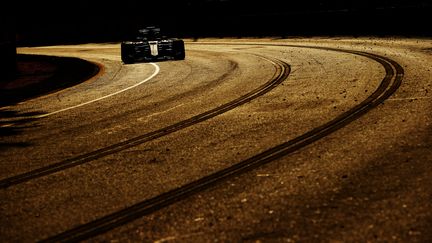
(150, 45)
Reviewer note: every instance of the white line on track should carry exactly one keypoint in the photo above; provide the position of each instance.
(156, 71)
(409, 98)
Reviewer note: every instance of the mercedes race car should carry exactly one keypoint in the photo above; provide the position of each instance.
(150, 45)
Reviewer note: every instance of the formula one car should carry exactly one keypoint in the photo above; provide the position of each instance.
(150, 45)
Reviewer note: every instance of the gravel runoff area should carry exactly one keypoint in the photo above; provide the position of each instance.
(368, 181)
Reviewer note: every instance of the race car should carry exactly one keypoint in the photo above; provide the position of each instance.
(150, 45)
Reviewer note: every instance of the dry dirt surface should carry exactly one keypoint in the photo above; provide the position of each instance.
(246, 140)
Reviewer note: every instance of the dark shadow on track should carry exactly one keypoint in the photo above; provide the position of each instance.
(39, 75)
(13, 123)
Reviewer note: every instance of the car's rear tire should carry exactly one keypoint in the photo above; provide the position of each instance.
(179, 50)
(126, 54)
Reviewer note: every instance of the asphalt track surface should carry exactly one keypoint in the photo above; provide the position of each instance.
(315, 139)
